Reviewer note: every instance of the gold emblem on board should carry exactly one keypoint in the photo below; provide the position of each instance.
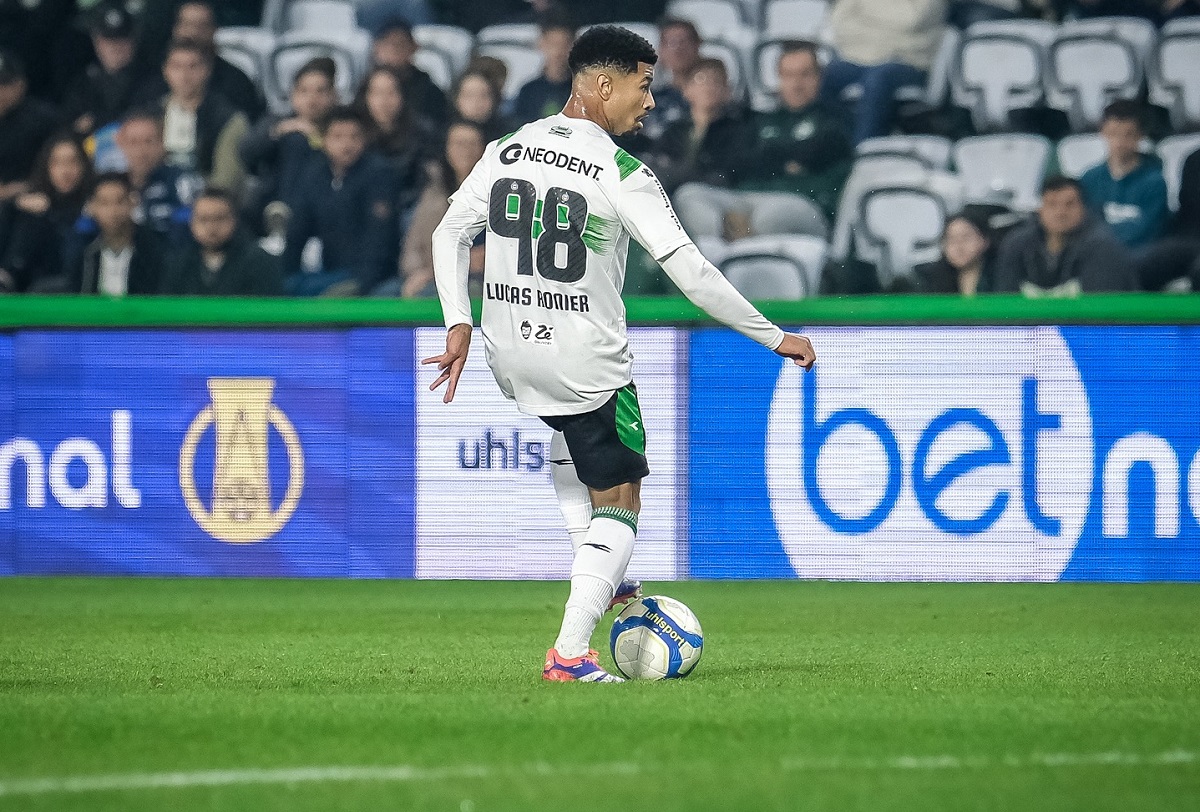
(240, 413)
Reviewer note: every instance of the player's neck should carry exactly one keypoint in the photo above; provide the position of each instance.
(589, 109)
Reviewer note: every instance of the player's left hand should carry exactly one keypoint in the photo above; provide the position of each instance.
(451, 362)
(799, 349)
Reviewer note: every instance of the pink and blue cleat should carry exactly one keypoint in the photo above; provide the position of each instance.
(626, 592)
(575, 669)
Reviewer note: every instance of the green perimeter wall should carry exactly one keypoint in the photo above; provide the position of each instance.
(17, 312)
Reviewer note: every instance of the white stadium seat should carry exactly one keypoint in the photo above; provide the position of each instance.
(450, 40)
(999, 68)
(906, 224)
(523, 64)
(1006, 169)
(798, 19)
(437, 65)
(508, 34)
(247, 47)
(320, 15)
(349, 51)
(1175, 76)
(775, 267)
(1173, 151)
(1080, 152)
(934, 150)
(716, 20)
(1093, 62)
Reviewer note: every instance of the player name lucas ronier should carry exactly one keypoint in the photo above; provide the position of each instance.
(571, 303)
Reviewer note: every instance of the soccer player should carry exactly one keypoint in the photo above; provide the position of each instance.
(560, 202)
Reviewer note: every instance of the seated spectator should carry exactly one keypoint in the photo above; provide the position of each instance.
(36, 225)
(344, 199)
(278, 148)
(546, 94)
(125, 258)
(965, 264)
(25, 124)
(222, 260)
(105, 90)
(678, 56)
(464, 147)
(164, 193)
(1062, 250)
(394, 47)
(397, 133)
(803, 146)
(1127, 190)
(1177, 256)
(201, 129)
(882, 47)
(704, 146)
(477, 98)
(196, 21)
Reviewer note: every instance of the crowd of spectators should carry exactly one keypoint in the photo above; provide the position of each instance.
(135, 160)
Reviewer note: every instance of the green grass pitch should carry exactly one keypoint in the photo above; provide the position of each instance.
(180, 695)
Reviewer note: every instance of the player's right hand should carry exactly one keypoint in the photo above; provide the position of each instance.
(451, 362)
(799, 349)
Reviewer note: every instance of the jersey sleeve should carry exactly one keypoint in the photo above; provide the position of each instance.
(452, 240)
(645, 210)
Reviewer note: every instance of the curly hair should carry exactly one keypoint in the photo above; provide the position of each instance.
(610, 46)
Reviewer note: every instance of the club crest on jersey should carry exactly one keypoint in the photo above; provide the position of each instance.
(518, 152)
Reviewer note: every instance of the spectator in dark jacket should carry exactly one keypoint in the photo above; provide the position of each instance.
(1127, 190)
(395, 131)
(195, 21)
(344, 199)
(124, 258)
(1177, 256)
(803, 146)
(201, 129)
(1062, 251)
(278, 148)
(394, 47)
(164, 193)
(105, 90)
(36, 226)
(545, 95)
(706, 145)
(222, 261)
(25, 124)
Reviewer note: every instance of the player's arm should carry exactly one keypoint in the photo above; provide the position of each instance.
(451, 266)
(646, 212)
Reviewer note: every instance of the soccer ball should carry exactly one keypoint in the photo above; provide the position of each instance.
(656, 638)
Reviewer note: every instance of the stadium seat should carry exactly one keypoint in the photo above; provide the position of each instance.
(1006, 169)
(905, 223)
(525, 34)
(883, 163)
(794, 19)
(716, 20)
(775, 267)
(437, 65)
(934, 150)
(1173, 151)
(248, 48)
(320, 15)
(1175, 75)
(523, 64)
(349, 51)
(1080, 152)
(999, 68)
(453, 42)
(1093, 62)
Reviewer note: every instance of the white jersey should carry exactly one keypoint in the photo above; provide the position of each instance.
(560, 201)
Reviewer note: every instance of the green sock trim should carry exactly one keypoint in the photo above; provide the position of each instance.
(622, 515)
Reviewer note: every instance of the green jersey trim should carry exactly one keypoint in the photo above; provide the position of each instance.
(623, 515)
(600, 234)
(626, 163)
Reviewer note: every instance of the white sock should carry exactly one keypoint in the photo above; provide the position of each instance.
(574, 499)
(600, 564)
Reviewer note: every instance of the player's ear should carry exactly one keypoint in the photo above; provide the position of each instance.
(604, 84)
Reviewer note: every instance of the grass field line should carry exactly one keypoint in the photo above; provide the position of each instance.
(408, 773)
